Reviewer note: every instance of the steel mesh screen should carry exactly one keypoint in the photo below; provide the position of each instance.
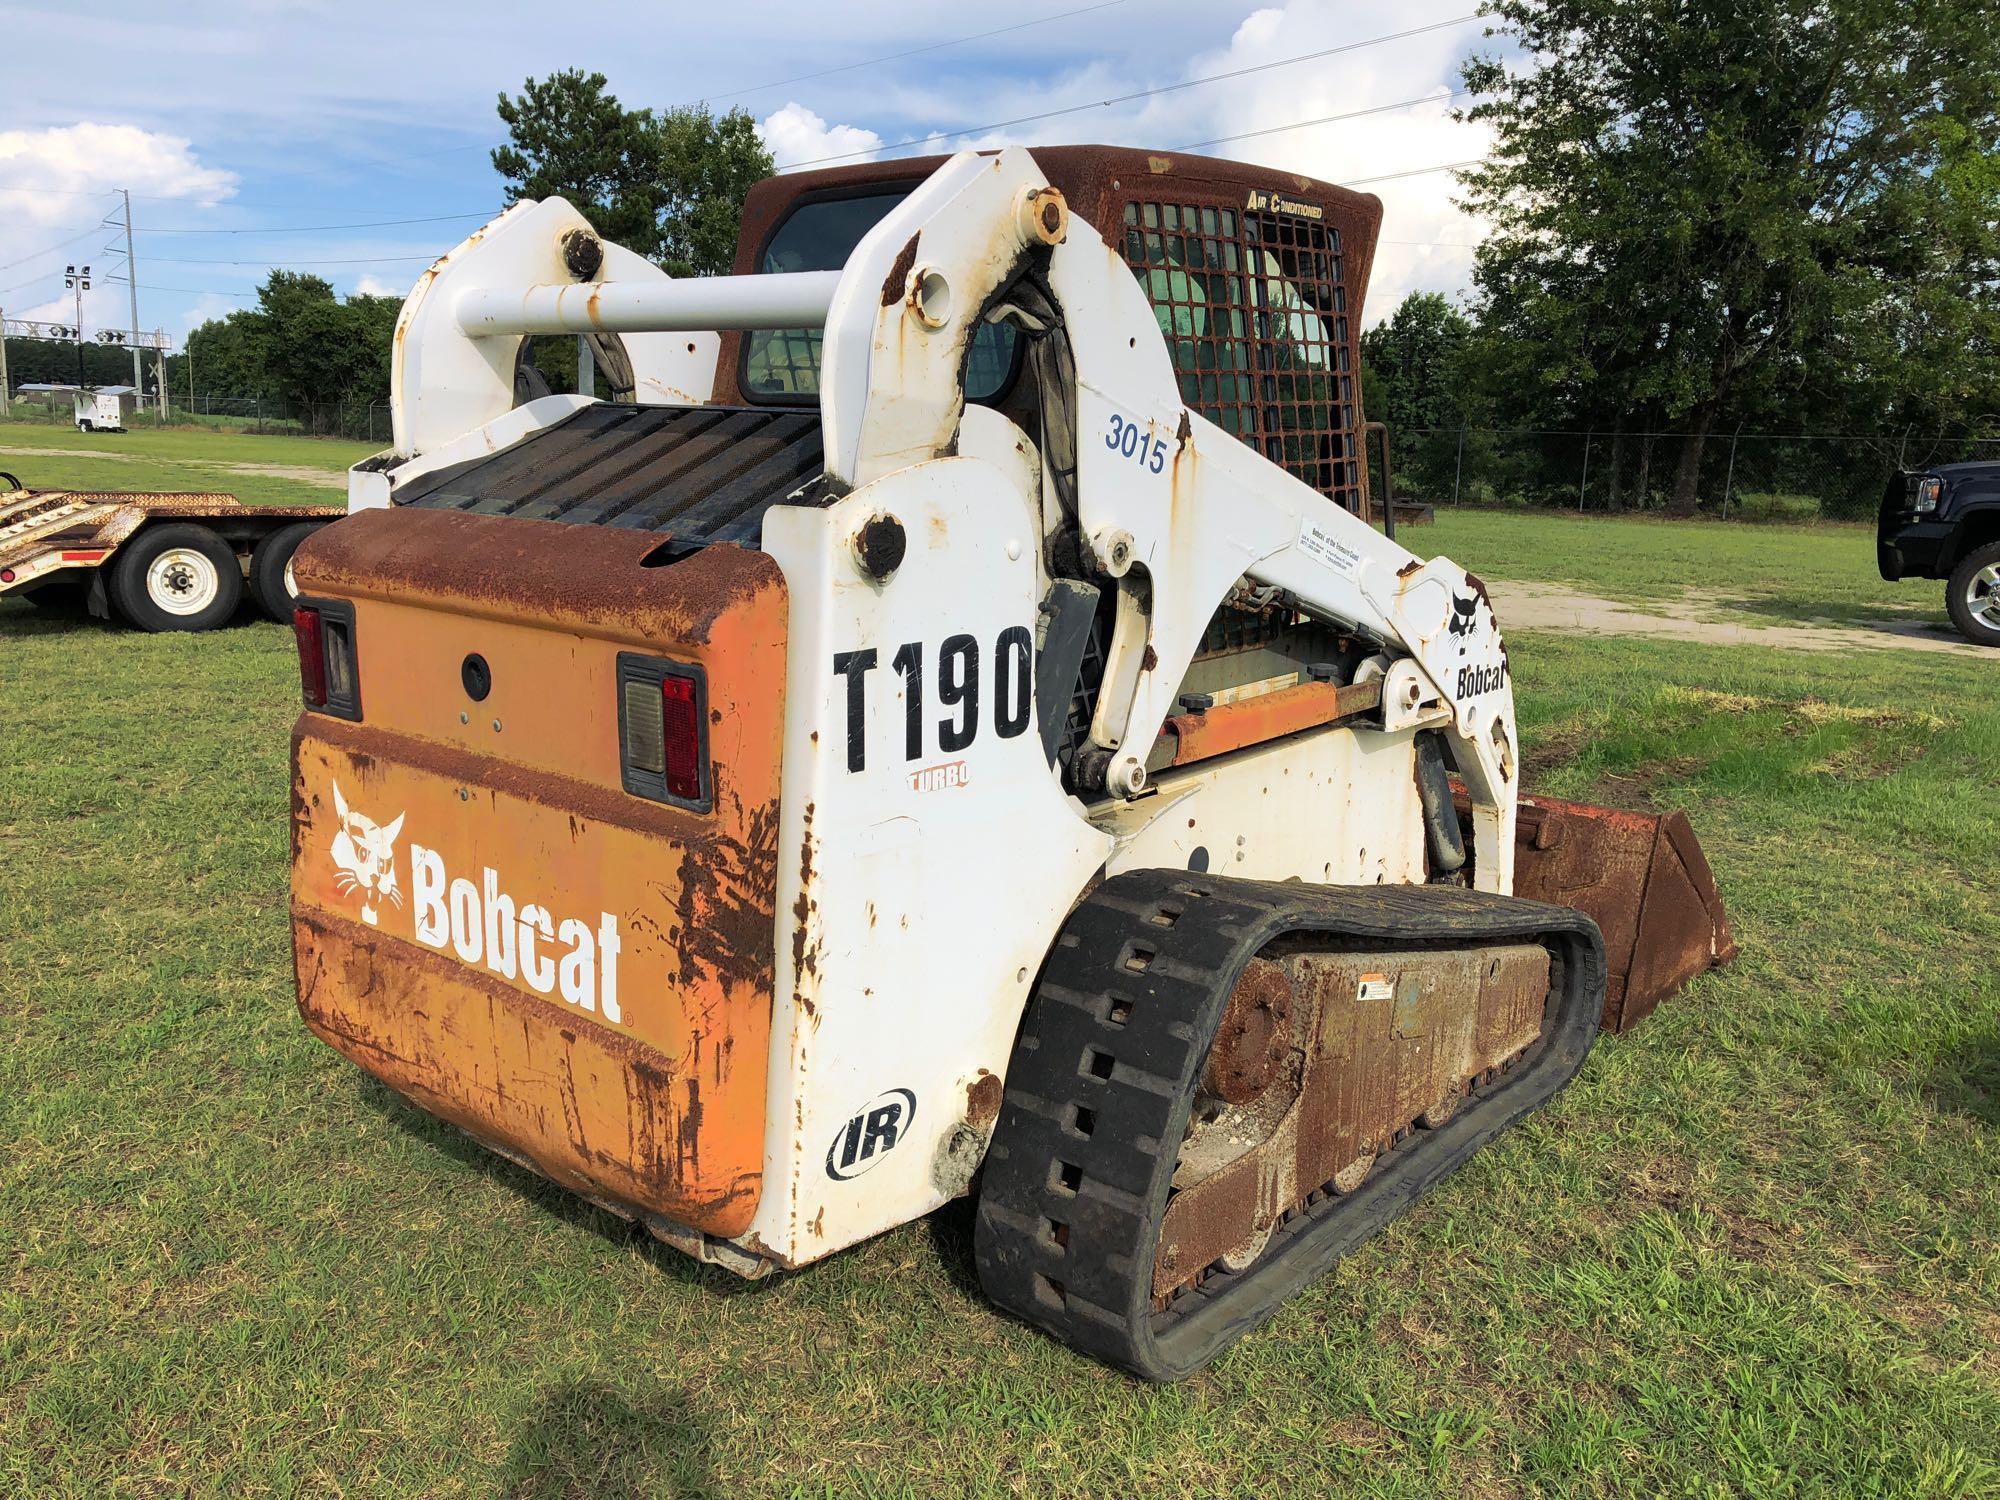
(1255, 315)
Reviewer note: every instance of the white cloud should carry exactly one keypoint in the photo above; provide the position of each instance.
(1426, 242)
(372, 285)
(209, 305)
(1425, 239)
(67, 174)
(795, 136)
(57, 183)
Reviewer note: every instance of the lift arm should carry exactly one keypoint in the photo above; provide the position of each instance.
(1170, 509)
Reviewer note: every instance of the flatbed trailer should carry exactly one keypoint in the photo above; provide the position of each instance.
(160, 561)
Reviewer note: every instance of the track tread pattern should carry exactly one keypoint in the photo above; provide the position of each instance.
(1103, 1078)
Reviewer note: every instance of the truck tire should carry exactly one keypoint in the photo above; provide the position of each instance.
(176, 577)
(271, 570)
(1972, 597)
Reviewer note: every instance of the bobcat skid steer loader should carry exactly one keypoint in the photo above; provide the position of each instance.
(944, 729)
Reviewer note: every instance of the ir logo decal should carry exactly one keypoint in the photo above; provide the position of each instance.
(364, 854)
(872, 1134)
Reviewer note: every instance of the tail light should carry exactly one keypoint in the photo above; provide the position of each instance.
(312, 654)
(329, 675)
(663, 730)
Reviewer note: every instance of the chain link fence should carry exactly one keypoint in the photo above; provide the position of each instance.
(1755, 476)
(364, 421)
(1752, 476)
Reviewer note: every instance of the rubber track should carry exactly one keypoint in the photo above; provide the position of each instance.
(1103, 1079)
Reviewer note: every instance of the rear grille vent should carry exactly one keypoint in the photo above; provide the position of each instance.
(703, 473)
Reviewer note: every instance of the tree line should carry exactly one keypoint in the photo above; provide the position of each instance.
(667, 184)
(1704, 215)
(1711, 214)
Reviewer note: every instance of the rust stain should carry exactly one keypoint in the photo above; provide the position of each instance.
(804, 962)
(546, 574)
(899, 272)
(982, 1100)
(1251, 721)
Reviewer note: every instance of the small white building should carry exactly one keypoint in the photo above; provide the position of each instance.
(98, 408)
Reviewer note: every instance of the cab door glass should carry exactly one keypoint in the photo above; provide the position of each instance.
(782, 365)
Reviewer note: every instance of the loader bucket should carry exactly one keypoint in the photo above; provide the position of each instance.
(1641, 877)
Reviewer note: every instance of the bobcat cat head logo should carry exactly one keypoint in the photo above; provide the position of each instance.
(364, 854)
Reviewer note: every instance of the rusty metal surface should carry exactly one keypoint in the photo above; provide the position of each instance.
(654, 1103)
(537, 573)
(34, 523)
(1255, 1035)
(702, 474)
(1300, 402)
(1641, 877)
(1380, 1040)
(1252, 721)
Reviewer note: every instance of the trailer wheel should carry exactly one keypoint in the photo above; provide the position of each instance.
(1973, 596)
(271, 570)
(177, 577)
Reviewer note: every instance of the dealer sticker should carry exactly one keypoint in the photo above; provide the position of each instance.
(1323, 547)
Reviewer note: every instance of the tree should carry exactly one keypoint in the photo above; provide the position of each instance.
(300, 344)
(1703, 207)
(1416, 362)
(667, 186)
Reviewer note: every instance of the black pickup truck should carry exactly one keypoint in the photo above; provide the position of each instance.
(1945, 523)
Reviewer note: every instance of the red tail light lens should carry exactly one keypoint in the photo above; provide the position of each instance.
(312, 655)
(663, 730)
(328, 675)
(681, 723)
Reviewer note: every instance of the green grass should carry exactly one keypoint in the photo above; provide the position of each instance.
(1752, 1251)
(1788, 573)
(174, 459)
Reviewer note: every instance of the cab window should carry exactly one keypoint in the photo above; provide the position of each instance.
(782, 365)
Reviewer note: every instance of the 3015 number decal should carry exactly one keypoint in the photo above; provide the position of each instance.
(957, 683)
(1127, 437)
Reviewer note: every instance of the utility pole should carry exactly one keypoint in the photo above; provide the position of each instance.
(132, 284)
(3, 361)
(78, 282)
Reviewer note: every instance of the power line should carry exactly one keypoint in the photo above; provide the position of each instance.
(359, 260)
(1446, 166)
(50, 249)
(1165, 88)
(758, 88)
(1352, 114)
(482, 213)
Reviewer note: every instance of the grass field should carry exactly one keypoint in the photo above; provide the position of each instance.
(258, 470)
(1752, 1251)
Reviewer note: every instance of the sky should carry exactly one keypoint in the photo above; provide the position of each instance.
(351, 139)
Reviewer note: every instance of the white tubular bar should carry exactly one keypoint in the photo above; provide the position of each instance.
(794, 299)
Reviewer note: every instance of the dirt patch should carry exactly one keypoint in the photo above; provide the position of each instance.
(300, 472)
(68, 453)
(1552, 606)
(1810, 713)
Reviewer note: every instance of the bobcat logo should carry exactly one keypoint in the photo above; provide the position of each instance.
(1462, 611)
(364, 853)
